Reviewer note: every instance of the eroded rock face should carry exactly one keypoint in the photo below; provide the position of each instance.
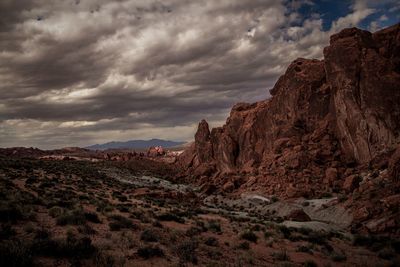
(394, 165)
(363, 71)
(324, 118)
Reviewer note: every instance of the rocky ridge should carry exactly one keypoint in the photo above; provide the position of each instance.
(331, 126)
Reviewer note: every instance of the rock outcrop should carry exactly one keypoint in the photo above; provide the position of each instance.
(363, 71)
(325, 118)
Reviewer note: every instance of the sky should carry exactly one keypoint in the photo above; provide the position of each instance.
(81, 72)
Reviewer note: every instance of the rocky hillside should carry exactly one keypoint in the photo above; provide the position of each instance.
(327, 120)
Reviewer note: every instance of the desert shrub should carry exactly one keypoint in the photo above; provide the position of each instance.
(86, 230)
(310, 263)
(10, 213)
(274, 199)
(193, 231)
(31, 180)
(171, 217)
(214, 226)
(256, 227)
(149, 235)
(122, 208)
(103, 206)
(326, 195)
(386, 253)
(202, 225)
(374, 243)
(83, 196)
(267, 234)
(342, 198)
(15, 254)
(285, 231)
(42, 233)
(244, 245)
(46, 184)
(71, 247)
(157, 224)
(186, 251)
(305, 249)
(317, 237)
(56, 211)
(304, 231)
(377, 243)
(6, 231)
(150, 252)
(338, 257)
(249, 235)
(92, 217)
(211, 241)
(29, 228)
(75, 217)
(122, 198)
(281, 256)
(102, 259)
(80, 248)
(395, 244)
(120, 222)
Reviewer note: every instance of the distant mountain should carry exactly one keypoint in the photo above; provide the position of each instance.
(135, 144)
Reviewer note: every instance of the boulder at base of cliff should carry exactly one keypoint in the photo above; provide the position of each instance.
(351, 183)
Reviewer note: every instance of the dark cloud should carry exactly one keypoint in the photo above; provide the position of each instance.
(82, 72)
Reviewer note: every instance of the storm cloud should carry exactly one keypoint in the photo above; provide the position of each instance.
(74, 73)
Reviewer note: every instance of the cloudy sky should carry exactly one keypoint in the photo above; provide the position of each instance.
(79, 72)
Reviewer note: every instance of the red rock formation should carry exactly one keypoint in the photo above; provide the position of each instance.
(363, 70)
(155, 151)
(394, 165)
(323, 117)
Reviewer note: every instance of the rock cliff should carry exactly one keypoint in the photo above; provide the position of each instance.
(325, 119)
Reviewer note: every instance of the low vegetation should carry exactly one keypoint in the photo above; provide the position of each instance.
(78, 214)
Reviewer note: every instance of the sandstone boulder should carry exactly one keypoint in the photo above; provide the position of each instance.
(351, 183)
